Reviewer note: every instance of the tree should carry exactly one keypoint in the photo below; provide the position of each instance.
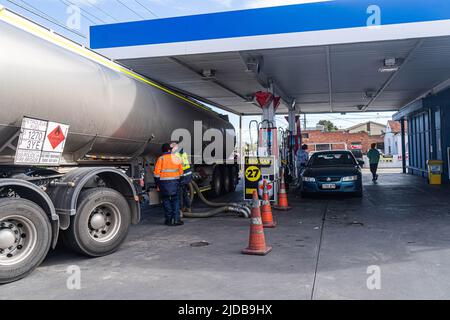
(329, 126)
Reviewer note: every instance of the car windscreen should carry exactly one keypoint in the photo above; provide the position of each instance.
(332, 160)
(357, 153)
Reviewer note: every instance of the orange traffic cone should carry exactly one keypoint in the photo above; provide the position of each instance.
(266, 209)
(283, 204)
(257, 243)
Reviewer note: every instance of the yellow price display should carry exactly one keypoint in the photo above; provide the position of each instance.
(253, 174)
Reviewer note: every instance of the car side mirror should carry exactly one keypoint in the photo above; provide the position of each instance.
(360, 162)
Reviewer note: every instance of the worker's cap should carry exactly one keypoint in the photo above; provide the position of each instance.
(166, 147)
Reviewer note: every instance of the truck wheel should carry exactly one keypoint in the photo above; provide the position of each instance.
(226, 180)
(233, 179)
(100, 224)
(25, 238)
(216, 183)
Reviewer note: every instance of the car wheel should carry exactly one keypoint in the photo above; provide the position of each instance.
(359, 193)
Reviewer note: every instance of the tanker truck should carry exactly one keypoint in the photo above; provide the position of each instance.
(79, 137)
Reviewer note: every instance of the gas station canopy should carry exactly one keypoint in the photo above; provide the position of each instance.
(335, 56)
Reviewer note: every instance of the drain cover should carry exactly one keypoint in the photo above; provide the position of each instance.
(200, 244)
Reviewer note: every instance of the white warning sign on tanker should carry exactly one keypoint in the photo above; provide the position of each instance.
(41, 142)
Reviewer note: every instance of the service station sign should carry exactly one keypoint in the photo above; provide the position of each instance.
(41, 142)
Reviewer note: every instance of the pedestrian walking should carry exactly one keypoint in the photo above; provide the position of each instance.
(374, 159)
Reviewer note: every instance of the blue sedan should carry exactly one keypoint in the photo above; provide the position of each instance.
(332, 172)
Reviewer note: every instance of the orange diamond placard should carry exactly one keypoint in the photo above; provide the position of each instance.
(56, 137)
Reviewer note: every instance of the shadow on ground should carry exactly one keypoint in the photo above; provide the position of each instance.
(322, 249)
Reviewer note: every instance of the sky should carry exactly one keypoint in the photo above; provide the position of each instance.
(57, 15)
(111, 11)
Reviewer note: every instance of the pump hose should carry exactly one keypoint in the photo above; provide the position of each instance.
(221, 207)
(212, 213)
(217, 204)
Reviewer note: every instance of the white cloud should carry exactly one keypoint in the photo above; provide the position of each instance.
(225, 3)
(274, 3)
(86, 2)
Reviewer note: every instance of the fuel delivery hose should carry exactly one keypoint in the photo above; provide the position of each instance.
(212, 213)
(217, 204)
(221, 207)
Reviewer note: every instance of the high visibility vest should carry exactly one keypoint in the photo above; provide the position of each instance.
(185, 162)
(168, 167)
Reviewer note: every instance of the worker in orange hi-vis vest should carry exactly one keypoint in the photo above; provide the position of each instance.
(167, 173)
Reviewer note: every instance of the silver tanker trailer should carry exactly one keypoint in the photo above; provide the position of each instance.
(79, 135)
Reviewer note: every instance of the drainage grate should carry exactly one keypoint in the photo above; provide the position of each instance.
(200, 244)
(356, 223)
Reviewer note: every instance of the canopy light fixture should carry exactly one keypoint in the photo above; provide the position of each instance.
(208, 74)
(253, 66)
(369, 94)
(250, 99)
(390, 65)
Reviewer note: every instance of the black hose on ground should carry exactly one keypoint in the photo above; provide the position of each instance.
(195, 187)
(221, 207)
(242, 206)
(212, 213)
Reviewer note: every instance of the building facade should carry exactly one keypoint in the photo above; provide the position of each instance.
(318, 140)
(372, 128)
(428, 122)
(393, 139)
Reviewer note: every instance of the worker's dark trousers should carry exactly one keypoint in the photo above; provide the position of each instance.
(373, 169)
(184, 196)
(171, 206)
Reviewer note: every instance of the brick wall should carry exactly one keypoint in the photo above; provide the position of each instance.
(341, 137)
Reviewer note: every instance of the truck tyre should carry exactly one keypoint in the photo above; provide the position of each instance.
(101, 223)
(216, 183)
(25, 238)
(233, 178)
(226, 180)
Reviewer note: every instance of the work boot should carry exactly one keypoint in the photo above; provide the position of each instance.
(178, 223)
(169, 222)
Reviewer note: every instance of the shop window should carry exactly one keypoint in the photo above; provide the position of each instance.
(323, 147)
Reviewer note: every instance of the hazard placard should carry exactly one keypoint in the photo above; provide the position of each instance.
(56, 137)
(41, 142)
